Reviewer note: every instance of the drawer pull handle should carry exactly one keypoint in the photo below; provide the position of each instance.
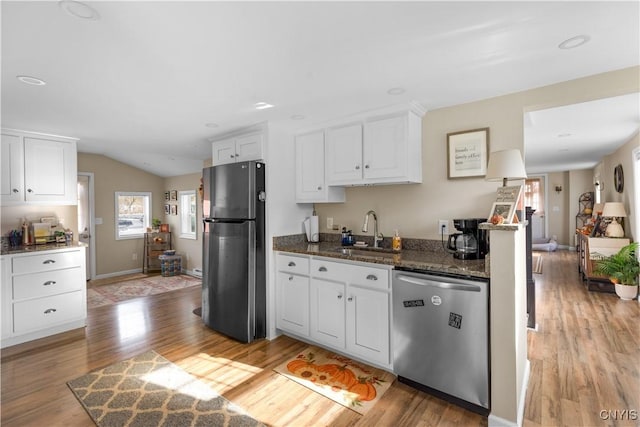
(29, 190)
(372, 277)
(291, 264)
(49, 282)
(15, 190)
(322, 268)
(340, 296)
(290, 278)
(350, 299)
(49, 261)
(50, 310)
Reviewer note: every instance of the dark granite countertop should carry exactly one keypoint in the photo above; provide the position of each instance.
(14, 250)
(431, 258)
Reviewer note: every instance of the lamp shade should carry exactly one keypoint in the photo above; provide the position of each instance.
(614, 209)
(505, 165)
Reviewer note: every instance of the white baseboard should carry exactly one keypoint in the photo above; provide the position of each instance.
(118, 273)
(495, 421)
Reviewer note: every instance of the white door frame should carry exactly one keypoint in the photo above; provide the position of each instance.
(92, 225)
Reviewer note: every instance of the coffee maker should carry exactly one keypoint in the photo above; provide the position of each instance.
(471, 242)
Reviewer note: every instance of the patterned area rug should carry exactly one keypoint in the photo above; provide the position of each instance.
(139, 287)
(149, 391)
(350, 383)
(536, 263)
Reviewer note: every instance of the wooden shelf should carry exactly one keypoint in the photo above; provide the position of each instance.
(154, 245)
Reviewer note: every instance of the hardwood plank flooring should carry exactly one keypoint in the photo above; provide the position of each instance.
(584, 359)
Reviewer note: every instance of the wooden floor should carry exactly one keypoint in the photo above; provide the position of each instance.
(584, 359)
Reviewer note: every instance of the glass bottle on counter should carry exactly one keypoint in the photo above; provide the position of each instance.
(396, 242)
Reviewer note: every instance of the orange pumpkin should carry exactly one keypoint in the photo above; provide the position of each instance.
(339, 374)
(364, 389)
(296, 365)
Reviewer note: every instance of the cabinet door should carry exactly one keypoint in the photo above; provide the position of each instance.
(385, 148)
(12, 169)
(310, 167)
(293, 303)
(327, 312)
(51, 171)
(6, 307)
(249, 147)
(344, 155)
(368, 324)
(224, 152)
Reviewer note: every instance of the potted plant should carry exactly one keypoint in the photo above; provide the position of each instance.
(155, 223)
(622, 269)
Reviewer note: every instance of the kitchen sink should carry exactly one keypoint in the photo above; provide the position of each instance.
(366, 252)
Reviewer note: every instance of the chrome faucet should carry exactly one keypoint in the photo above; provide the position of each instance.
(377, 237)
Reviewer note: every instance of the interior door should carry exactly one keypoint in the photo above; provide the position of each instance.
(85, 219)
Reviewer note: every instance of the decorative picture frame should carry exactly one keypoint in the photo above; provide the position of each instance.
(164, 228)
(467, 153)
(174, 209)
(167, 209)
(503, 209)
(174, 195)
(167, 196)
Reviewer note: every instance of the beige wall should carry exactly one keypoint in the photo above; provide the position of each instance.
(558, 207)
(12, 216)
(415, 209)
(191, 250)
(116, 256)
(623, 157)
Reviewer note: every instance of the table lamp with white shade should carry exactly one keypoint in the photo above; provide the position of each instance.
(505, 165)
(614, 210)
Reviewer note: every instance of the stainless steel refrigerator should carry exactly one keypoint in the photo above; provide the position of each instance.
(233, 281)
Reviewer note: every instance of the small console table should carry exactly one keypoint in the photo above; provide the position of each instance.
(590, 251)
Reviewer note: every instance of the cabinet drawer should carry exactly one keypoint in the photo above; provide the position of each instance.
(46, 262)
(335, 271)
(293, 264)
(47, 283)
(371, 277)
(42, 313)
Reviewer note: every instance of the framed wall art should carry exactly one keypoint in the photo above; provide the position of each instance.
(167, 209)
(467, 153)
(174, 195)
(503, 209)
(174, 209)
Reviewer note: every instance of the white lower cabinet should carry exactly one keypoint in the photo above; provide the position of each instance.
(292, 294)
(327, 312)
(347, 305)
(43, 293)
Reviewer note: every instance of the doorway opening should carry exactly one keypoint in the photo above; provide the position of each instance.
(86, 223)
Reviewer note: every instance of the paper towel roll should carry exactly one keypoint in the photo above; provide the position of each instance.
(312, 229)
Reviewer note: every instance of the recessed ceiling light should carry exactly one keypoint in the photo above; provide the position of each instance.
(395, 91)
(574, 42)
(211, 125)
(79, 10)
(31, 80)
(262, 105)
(297, 117)
(564, 135)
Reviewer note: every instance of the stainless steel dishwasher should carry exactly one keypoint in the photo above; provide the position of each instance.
(441, 336)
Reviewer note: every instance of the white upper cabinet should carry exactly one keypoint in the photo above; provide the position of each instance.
(344, 154)
(385, 149)
(311, 185)
(38, 169)
(238, 149)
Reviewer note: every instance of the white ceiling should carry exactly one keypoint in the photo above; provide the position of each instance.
(140, 83)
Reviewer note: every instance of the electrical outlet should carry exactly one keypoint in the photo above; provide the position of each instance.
(330, 223)
(443, 226)
(134, 256)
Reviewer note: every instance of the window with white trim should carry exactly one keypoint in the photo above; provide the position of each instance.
(133, 214)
